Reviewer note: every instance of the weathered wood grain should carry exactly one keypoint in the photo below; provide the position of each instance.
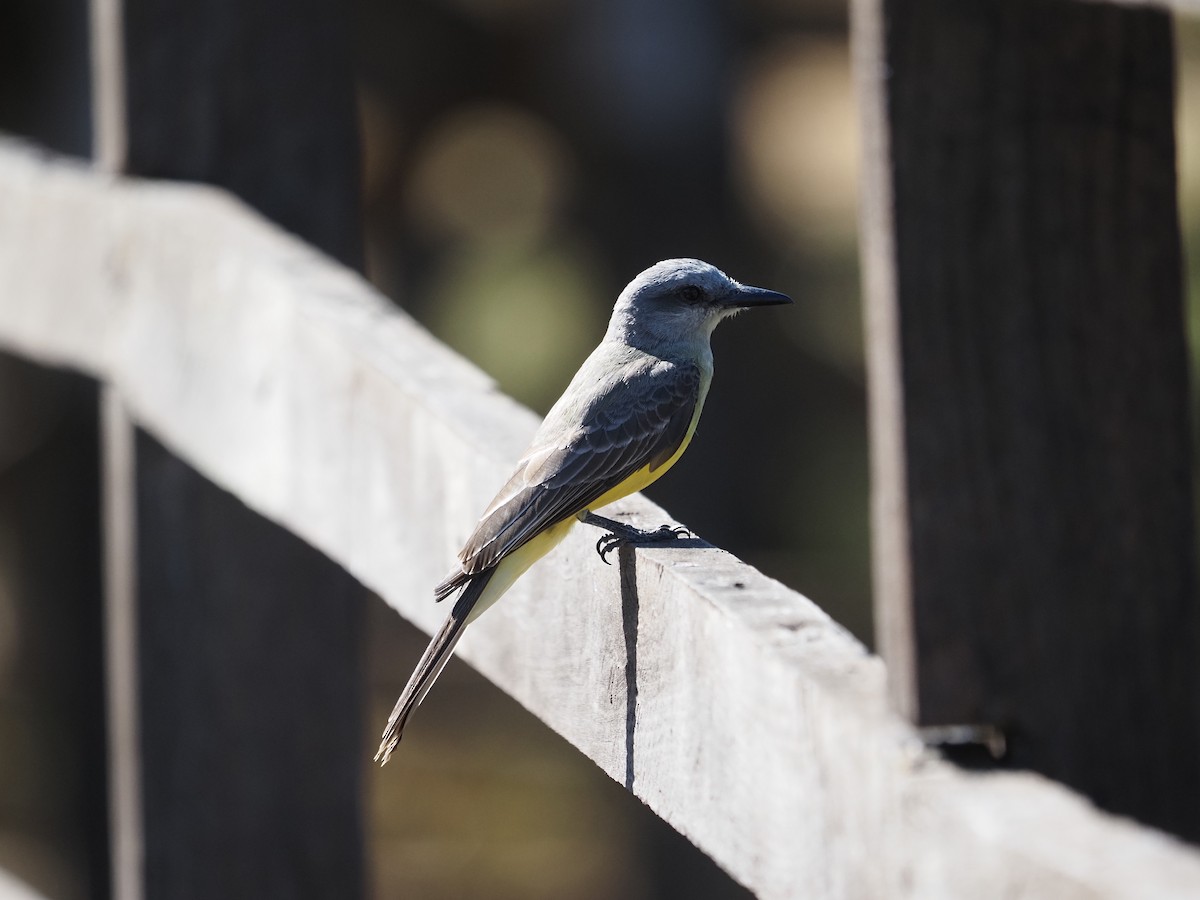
(1033, 452)
(761, 729)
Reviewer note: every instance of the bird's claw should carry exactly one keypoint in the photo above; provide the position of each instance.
(611, 541)
(669, 533)
(606, 544)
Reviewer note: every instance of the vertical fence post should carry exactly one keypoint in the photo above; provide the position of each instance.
(118, 483)
(118, 525)
(1033, 517)
(236, 680)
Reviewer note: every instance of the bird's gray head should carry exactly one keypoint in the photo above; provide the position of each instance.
(681, 301)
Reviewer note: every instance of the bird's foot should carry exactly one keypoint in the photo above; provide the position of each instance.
(619, 534)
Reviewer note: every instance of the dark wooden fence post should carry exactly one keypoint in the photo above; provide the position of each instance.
(248, 642)
(52, 783)
(53, 791)
(1035, 561)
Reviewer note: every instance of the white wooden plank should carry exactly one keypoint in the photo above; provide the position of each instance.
(761, 729)
(12, 888)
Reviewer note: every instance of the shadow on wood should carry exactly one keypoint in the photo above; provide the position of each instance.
(627, 560)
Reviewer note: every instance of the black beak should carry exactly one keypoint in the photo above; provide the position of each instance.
(745, 297)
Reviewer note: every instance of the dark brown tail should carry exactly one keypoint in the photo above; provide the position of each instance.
(436, 655)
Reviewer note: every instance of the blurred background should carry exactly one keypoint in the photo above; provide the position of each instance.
(522, 160)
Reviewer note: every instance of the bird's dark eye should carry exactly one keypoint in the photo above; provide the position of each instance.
(689, 293)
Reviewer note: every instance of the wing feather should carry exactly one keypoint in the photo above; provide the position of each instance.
(623, 426)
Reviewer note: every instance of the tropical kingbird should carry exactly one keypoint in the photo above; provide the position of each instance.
(625, 418)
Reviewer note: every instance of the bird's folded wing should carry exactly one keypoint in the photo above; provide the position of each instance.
(628, 425)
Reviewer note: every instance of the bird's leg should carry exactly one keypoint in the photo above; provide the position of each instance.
(619, 533)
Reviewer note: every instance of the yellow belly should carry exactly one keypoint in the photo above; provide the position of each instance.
(644, 476)
(518, 562)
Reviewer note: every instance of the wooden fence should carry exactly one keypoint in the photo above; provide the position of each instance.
(736, 709)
